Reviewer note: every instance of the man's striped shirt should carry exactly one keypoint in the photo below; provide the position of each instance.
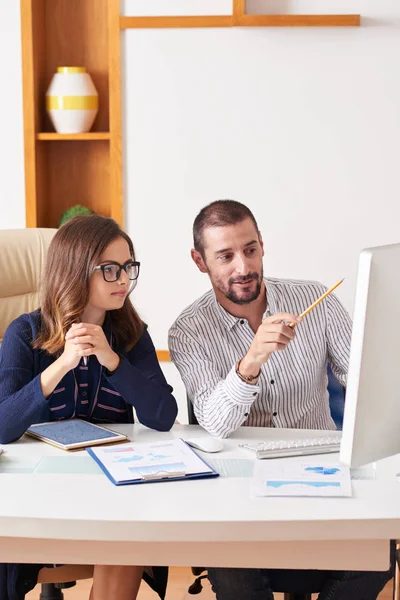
(206, 342)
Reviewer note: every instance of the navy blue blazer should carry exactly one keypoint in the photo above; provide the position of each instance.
(85, 392)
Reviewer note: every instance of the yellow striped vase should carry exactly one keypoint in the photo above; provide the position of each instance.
(72, 101)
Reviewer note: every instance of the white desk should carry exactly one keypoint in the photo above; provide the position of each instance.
(83, 518)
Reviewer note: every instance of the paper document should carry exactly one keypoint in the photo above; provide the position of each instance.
(134, 462)
(284, 477)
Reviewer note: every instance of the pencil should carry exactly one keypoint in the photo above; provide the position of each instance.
(314, 304)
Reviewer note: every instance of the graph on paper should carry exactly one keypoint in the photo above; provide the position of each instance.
(285, 477)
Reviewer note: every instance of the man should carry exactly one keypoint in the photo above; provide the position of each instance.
(242, 364)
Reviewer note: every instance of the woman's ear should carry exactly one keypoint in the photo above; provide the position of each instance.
(198, 260)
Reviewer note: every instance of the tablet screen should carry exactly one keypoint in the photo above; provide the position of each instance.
(72, 431)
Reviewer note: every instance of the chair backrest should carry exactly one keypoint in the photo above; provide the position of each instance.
(22, 257)
(337, 394)
(191, 416)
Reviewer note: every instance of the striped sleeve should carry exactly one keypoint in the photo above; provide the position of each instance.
(339, 326)
(221, 405)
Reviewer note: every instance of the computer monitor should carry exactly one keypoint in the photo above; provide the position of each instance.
(371, 425)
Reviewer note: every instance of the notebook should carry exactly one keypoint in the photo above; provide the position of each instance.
(72, 434)
(143, 463)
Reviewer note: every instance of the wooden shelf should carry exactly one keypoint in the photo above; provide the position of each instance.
(175, 22)
(300, 21)
(57, 176)
(240, 20)
(96, 135)
(163, 356)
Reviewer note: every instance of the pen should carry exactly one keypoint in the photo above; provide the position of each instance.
(314, 304)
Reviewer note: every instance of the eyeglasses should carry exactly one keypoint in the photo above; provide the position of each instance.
(112, 270)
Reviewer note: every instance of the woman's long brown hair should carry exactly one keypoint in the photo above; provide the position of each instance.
(75, 249)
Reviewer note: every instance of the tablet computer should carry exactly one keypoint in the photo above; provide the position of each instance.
(71, 434)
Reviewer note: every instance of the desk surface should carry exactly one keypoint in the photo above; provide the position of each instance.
(65, 517)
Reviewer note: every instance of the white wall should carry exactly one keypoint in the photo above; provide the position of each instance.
(303, 125)
(300, 124)
(12, 185)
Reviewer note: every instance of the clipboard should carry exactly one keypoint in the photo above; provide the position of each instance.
(169, 460)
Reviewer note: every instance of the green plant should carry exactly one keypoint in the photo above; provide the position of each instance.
(74, 211)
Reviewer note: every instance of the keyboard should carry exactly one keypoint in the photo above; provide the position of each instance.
(296, 447)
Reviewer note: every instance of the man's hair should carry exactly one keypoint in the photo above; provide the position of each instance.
(219, 214)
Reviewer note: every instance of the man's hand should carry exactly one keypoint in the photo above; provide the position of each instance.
(274, 334)
(86, 333)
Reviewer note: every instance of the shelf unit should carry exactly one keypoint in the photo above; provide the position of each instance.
(48, 137)
(239, 18)
(88, 169)
(243, 21)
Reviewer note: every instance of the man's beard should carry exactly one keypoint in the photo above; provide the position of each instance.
(234, 297)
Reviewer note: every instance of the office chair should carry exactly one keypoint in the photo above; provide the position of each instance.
(337, 395)
(22, 256)
(51, 578)
(299, 586)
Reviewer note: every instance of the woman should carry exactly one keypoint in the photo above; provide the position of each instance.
(85, 353)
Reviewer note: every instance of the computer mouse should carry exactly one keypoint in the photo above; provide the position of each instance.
(206, 444)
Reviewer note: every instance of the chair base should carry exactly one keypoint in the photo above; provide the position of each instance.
(277, 584)
(50, 592)
(196, 586)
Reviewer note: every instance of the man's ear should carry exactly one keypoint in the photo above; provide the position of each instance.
(198, 260)
(261, 242)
